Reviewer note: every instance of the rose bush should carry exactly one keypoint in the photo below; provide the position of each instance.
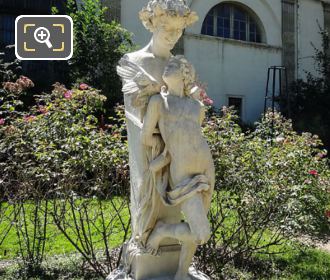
(11, 98)
(59, 144)
(272, 185)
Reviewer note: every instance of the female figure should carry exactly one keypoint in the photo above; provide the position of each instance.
(142, 70)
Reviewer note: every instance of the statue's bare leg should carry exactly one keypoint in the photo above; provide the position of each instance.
(191, 233)
(199, 228)
(159, 232)
(196, 216)
(188, 250)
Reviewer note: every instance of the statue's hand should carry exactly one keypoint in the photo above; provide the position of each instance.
(136, 80)
(151, 141)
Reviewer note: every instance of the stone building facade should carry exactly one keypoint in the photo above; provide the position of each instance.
(235, 42)
(232, 45)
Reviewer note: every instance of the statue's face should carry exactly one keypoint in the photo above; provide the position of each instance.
(168, 32)
(172, 73)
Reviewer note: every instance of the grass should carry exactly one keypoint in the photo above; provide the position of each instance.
(57, 243)
(305, 264)
(296, 263)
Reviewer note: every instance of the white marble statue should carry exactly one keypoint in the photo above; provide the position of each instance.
(172, 172)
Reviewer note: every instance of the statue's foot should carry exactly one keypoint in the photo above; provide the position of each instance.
(182, 276)
(155, 237)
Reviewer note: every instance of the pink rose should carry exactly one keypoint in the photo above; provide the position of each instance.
(203, 94)
(208, 101)
(43, 110)
(2, 121)
(30, 118)
(25, 82)
(327, 213)
(68, 94)
(83, 86)
(313, 172)
(321, 155)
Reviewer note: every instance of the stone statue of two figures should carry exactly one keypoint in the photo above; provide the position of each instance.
(172, 171)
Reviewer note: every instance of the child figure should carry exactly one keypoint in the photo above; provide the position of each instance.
(191, 170)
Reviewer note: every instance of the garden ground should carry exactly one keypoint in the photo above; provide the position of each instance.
(296, 263)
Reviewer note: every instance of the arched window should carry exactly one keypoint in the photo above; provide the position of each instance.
(232, 21)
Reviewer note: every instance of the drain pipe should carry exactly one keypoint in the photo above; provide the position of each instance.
(297, 39)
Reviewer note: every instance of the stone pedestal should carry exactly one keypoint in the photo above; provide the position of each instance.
(165, 265)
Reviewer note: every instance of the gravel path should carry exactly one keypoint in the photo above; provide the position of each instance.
(319, 245)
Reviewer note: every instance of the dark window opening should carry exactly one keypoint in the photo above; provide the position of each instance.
(237, 103)
(7, 29)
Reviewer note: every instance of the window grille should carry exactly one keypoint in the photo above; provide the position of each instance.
(231, 21)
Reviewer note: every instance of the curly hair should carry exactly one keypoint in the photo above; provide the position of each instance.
(187, 70)
(161, 9)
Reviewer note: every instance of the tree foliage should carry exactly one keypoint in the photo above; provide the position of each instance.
(98, 46)
(311, 98)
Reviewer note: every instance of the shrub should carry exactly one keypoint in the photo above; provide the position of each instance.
(268, 189)
(59, 144)
(9, 71)
(11, 98)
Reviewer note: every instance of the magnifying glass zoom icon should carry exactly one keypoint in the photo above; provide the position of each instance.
(42, 35)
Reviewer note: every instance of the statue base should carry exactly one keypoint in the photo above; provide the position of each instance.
(146, 266)
(120, 274)
(161, 267)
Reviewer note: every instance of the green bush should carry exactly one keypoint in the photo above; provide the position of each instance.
(268, 189)
(59, 144)
(58, 160)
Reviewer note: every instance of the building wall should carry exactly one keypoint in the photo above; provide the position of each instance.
(233, 69)
(114, 9)
(310, 17)
(236, 68)
(130, 20)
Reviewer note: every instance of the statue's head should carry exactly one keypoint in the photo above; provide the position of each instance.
(167, 19)
(178, 68)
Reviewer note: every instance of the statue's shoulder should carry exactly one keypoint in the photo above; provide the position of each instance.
(139, 56)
